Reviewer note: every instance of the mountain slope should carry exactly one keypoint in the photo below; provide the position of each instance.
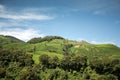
(8, 39)
(58, 46)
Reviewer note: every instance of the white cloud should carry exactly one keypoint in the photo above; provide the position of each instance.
(39, 9)
(23, 15)
(10, 23)
(95, 42)
(18, 24)
(22, 34)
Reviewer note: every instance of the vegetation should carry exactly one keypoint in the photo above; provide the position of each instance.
(55, 58)
(46, 38)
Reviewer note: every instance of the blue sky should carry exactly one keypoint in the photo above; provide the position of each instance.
(96, 21)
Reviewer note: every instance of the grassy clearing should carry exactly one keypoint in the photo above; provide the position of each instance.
(36, 58)
(51, 54)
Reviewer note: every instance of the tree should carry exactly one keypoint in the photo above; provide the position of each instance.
(28, 74)
(66, 48)
(55, 74)
(98, 65)
(65, 63)
(78, 62)
(35, 40)
(2, 72)
(53, 62)
(44, 59)
(116, 70)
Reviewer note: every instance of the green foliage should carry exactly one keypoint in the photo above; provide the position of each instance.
(65, 63)
(111, 77)
(35, 40)
(53, 62)
(2, 72)
(66, 48)
(107, 77)
(98, 65)
(46, 38)
(54, 75)
(64, 76)
(78, 62)
(45, 60)
(116, 70)
(6, 57)
(28, 74)
(6, 40)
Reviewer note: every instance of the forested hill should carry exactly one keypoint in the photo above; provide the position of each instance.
(8, 39)
(59, 45)
(56, 58)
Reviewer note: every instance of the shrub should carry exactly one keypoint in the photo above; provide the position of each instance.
(44, 59)
(2, 72)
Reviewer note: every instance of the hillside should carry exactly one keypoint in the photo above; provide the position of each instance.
(56, 45)
(8, 39)
(56, 58)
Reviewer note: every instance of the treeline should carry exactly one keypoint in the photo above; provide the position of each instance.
(46, 38)
(80, 67)
(17, 65)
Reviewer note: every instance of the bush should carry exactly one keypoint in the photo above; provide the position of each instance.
(53, 62)
(97, 65)
(44, 59)
(55, 74)
(2, 72)
(28, 74)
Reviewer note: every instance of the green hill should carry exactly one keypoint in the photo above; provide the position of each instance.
(58, 46)
(56, 58)
(8, 40)
(11, 43)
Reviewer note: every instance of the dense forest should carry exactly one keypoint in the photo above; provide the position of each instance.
(56, 58)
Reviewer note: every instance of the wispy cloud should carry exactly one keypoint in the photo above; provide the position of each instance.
(96, 42)
(18, 24)
(10, 18)
(23, 15)
(19, 30)
(22, 34)
(39, 9)
(11, 23)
